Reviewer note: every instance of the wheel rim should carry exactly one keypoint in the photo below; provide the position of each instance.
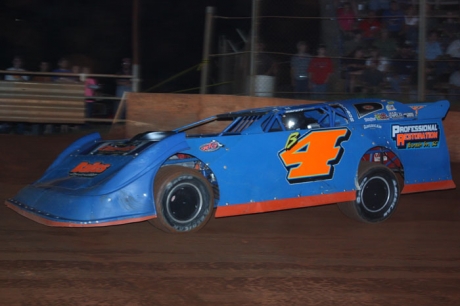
(184, 203)
(375, 194)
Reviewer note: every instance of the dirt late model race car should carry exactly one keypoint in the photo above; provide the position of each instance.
(360, 153)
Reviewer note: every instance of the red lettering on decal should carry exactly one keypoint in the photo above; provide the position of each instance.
(87, 168)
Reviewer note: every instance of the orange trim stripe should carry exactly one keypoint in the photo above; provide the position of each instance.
(441, 185)
(273, 205)
(49, 222)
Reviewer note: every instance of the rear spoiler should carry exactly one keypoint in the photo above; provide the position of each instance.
(431, 110)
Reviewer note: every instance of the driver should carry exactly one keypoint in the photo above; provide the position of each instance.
(296, 121)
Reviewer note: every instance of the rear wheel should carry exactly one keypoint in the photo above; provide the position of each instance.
(377, 196)
(183, 199)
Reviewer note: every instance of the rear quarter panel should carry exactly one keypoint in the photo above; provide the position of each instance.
(414, 132)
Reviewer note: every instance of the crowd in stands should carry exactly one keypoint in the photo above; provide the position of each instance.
(70, 74)
(379, 49)
(64, 67)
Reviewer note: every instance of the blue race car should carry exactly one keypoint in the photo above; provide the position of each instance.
(360, 153)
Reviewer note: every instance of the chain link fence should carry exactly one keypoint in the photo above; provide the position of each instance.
(294, 43)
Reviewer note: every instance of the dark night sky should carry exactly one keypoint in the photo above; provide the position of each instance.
(99, 32)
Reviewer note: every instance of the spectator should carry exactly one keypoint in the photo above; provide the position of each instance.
(454, 83)
(435, 54)
(379, 6)
(387, 46)
(357, 42)
(433, 48)
(370, 27)
(346, 17)
(449, 29)
(453, 54)
(453, 50)
(372, 78)
(299, 67)
(393, 20)
(431, 76)
(76, 70)
(90, 89)
(404, 68)
(124, 84)
(354, 68)
(432, 22)
(411, 25)
(381, 61)
(17, 66)
(319, 72)
(43, 67)
(63, 67)
(265, 65)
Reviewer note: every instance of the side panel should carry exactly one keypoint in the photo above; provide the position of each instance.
(308, 167)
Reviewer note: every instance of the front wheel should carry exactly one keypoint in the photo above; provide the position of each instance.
(184, 199)
(377, 196)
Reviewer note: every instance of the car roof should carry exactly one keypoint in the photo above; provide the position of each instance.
(271, 109)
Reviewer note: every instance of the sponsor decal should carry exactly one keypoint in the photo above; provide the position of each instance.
(313, 155)
(416, 108)
(87, 169)
(372, 126)
(365, 109)
(390, 107)
(415, 136)
(370, 119)
(395, 115)
(409, 115)
(381, 116)
(211, 146)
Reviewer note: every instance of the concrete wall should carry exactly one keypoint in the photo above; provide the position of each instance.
(160, 112)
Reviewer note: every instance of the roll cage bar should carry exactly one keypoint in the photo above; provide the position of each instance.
(326, 115)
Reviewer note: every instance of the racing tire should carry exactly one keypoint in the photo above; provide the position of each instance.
(377, 196)
(184, 200)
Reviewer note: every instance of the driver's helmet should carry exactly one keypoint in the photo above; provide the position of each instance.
(295, 121)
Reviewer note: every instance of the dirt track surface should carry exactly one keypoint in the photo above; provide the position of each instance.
(312, 256)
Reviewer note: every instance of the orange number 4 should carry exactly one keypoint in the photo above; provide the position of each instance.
(313, 155)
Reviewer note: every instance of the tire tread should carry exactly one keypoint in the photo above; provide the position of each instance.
(350, 209)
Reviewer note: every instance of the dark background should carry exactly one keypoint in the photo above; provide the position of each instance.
(99, 33)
